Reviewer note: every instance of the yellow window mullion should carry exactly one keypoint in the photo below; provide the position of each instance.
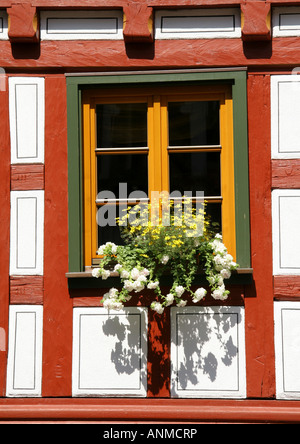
(154, 140)
(87, 184)
(94, 226)
(227, 174)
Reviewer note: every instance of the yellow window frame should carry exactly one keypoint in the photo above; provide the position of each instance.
(157, 100)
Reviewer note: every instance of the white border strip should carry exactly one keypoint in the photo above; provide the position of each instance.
(24, 367)
(198, 23)
(286, 21)
(81, 25)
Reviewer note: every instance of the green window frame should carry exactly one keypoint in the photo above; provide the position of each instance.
(77, 83)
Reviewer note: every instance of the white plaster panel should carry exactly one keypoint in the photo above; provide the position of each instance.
(3, 25)
(286, 21)
(287, 349)
(24, 367)
(110, 352)
(27, 232)
(82, 25)
(286, 236)
(208, 352)
(285, 115)
(27, 119)
(200, 23)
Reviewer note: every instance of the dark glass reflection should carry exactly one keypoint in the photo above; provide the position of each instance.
(109, 234)
(194, 123)
(195, 172)
(214, 214)
(113, 169)
(122, 125)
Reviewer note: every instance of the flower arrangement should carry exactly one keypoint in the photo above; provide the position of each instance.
(153, 247)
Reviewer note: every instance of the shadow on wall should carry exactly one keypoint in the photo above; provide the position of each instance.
(206, 346)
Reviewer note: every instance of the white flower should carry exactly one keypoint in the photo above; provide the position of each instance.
(182, 303)
(153, 285)
(225, 273)
(156, 306)
(96, 272)
(124, 274)
(169, 299)
(218, 236)
(165, 259)
(128, 285)
(220, 293)
(199, 294)
(179, 290)
(117, 268)
(145, 272)
(105, 274)
(134, 274)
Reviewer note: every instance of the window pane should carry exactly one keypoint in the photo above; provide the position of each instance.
(122, 125)
(195, 172)
(193, 123)
(113, 169)
(213, 211)
(109, 234)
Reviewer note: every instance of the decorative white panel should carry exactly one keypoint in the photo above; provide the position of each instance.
(285, 115)
(82, 25)
(27, 119)
(3, 25)
(208, 352)
(24, 367)
(286, 235)
(110, 352)
(198, 23)
(27, 232)
(287, 349)
(286, 21)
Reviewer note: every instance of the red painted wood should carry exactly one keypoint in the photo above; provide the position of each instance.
(286, 173)
(255, 21)
(149, 410)
(287, 287)
(4, 234)
(21, 27)
(27, 177)
(57, 334)
(84, 55)
(259, 322)
(26, 290)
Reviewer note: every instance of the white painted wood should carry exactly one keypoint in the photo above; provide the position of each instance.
(286, 21)
(285, 115)
(287, 349)
(82, 25)
(27, 119)
(286, 235)
(24, 367)
(110, 352)
(27, 232)
(3, 25)
(208, 352)
(198, 23)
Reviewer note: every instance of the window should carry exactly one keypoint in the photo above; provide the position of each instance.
(156, 139)
(224, 86)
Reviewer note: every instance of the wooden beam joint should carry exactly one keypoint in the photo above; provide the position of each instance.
(256, 20)
(23, 23)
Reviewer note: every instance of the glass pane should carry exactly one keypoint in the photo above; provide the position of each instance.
(122, 125)
(195, 172)
(193, 123)
(109, 234)
(213, 211)
(113, 169)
